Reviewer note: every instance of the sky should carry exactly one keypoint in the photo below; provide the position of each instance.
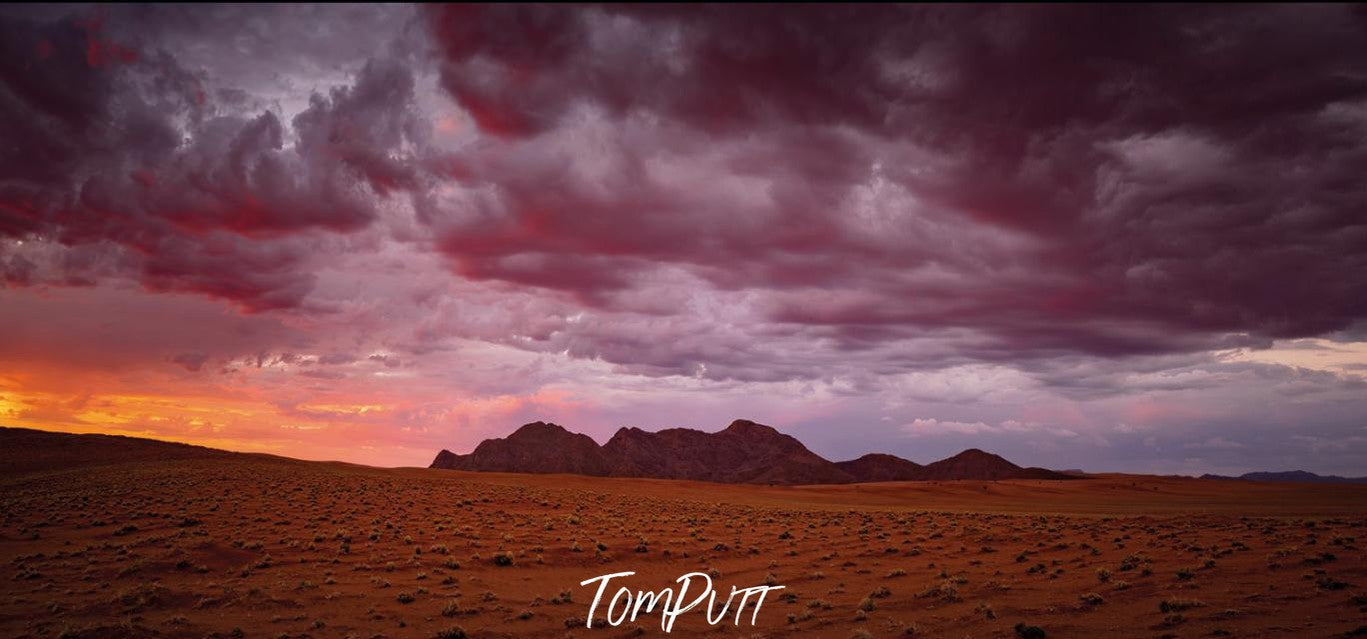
(1108, 238)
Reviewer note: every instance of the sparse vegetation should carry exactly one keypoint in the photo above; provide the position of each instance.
(377, 549)
(1178, 605)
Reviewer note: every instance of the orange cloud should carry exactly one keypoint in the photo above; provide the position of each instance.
(369, 428)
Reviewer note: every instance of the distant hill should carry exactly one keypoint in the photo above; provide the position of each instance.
(882, 467)
(743, 453)
(971, 463)
(23, 450)
(1299, 476)
(537, 445)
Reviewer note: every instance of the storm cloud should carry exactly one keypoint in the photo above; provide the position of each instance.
(883, 215)
(1053, 179)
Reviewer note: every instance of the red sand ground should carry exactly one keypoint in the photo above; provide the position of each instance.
(190, 543)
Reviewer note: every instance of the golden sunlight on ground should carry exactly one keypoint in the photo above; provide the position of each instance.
(106, 537)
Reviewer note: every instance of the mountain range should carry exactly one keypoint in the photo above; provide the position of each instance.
(1300, 476)
(743, 453)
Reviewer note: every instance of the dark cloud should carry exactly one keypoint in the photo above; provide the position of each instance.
(748, 193)
(1064, 231)
(191, 361)
(1053, 179)
(119, 150)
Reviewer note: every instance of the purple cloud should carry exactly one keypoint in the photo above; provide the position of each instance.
(1008, 222)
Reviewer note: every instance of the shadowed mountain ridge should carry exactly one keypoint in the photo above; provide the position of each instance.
(744, 452)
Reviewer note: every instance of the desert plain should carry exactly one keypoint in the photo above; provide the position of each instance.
(115, 537)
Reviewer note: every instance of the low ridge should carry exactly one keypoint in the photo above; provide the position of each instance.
(1295, 476)
(882, 467)
(540, 445)
(745, 452)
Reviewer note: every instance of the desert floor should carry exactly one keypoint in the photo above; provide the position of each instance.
(214, 544)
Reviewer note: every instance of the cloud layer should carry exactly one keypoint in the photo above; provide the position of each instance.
(926, 222)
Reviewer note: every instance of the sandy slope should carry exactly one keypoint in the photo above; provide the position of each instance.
(207, 544)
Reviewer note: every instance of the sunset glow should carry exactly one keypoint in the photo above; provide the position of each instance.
(368, 233)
